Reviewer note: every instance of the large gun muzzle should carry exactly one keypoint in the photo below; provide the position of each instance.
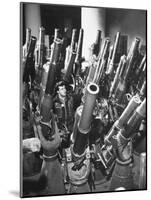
(135, 120)
(84, 124)
(123, 119)
(120, 135)
(124, 136)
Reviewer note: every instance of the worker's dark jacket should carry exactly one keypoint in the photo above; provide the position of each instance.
(64, 112)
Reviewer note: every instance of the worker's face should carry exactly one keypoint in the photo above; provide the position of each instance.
(62, 90)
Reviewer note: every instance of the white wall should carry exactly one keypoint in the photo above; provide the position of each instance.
(33, 18)
(92, 19)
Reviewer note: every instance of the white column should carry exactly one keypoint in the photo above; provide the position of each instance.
(93, 19)
(33, 18)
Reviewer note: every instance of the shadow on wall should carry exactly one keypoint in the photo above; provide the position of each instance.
(129, 22)
(50, 17)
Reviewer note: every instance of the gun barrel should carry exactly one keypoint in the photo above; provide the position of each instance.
(64, 44)
(118, 74)
(51, 80)
(115, 46)
(41, 36)
(45, 107)
(71, 57)
(73, 39)
(77, 65)
(69, 66)
(131, 57)
(97, 44)
(56, 51)
(91, 94)
(98, 37)
(84, 124)
(109, 57)
(41, 43)
(28, 66)
(141, 77)
(28, 36)
(91, 73)
(32, 46)
(135, 120)
(57, 33)
(124, 135)
(132, 105)
(122, 48)
(80, 44)
(134, 48)
(110, 67)
(140, 68)
(143, 89)
(47, 116)
(43, 80)
(119, 124)
(101, 62)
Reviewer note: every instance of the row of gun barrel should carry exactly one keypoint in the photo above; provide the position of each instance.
(110, 86)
